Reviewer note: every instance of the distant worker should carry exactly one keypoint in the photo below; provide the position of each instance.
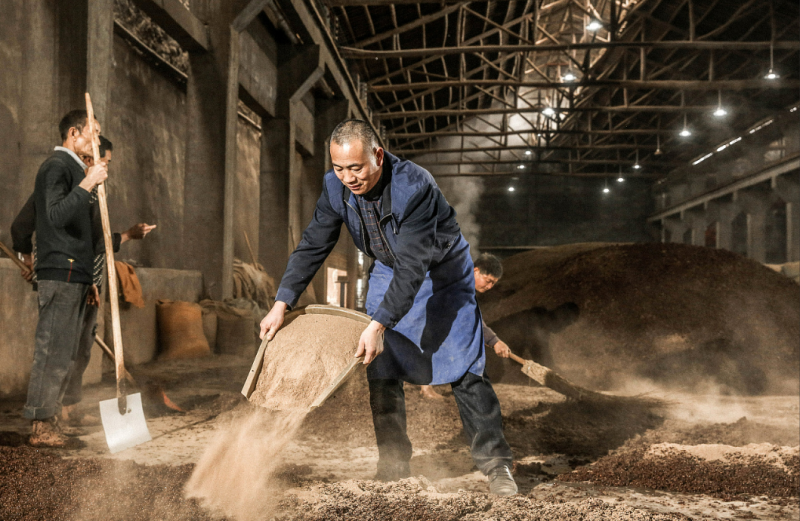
(22, 234)
(425, 325)
(488, 270)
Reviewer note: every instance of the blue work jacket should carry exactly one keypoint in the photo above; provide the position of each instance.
(417, 223)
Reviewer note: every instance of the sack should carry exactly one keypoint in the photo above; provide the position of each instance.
(236, 326)
(180, 330)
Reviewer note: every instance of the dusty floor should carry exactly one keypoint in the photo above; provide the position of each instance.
(326, 470)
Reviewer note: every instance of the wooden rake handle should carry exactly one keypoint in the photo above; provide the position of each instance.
(13, 257)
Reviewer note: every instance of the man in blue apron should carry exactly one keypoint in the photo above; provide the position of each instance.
(426, 325)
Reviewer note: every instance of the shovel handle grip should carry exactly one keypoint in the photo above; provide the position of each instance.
(516, 358)
(13, 257)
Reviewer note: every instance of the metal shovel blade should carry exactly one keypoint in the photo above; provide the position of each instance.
(124, 431)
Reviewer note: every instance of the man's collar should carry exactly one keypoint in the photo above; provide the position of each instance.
(74, 156)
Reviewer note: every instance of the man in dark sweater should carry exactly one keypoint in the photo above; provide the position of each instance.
(64, 269)
(22, 234)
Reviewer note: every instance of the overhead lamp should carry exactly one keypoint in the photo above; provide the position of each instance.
(569, 76)
(510, 188)
(637, 166)
(771, 74)
(548, 111)
(621, 179)
(521, 167)
(594, 25)
(685, 132)
(606, 189)
(528, 152)
(720, 112)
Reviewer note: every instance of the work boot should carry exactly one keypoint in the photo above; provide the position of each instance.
(392, 471)
(74, 418)
(45, 433)
(501, 483)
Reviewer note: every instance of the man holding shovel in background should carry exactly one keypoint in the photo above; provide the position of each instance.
(488, 270)
(64, 269)
(421, 297)
(22, 231)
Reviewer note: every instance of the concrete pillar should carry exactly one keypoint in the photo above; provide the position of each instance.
(99, 55)
(723, 213)
(676, 227)
(274, 207)
(787, 188)
(755, 203)
(696, 220)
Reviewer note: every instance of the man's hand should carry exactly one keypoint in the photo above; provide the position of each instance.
(502, 349)
(137, 231)
(27, 260)
(273, 321)
(94, 176)
(93, 298)
(370, 345)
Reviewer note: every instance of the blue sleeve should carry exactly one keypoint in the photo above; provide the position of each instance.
(413, 253)
(319, 239)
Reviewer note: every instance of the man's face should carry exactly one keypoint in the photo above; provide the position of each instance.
(82, 141)
(483, 282)
(106, 159)
(357, 168)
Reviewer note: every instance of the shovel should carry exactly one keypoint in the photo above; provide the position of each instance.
(122, 417)
(549, 378)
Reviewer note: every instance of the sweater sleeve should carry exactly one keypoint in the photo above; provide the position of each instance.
(63, 202)
(319, 239)
(489, 337)
(413, 253)
(23, 227)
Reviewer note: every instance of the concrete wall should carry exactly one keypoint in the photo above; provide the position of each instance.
(147, 124)
(18, 316)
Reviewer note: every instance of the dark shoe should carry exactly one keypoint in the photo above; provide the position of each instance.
(501, 483)
(392, 471)
(45, 433)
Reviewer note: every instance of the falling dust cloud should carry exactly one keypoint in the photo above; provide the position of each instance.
(235, 477)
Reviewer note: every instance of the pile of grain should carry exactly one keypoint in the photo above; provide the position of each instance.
(416, 499)
(683, 315)
(303, 359)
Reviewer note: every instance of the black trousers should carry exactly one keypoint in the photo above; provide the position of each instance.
(480, 416)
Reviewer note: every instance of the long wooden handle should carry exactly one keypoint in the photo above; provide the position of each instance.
(516, 358)
(13, 257)
(116, 330)
(110, 354)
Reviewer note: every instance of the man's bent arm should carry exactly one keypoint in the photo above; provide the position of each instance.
(319, 239)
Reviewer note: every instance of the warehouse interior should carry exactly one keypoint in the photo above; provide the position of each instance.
(632, 163)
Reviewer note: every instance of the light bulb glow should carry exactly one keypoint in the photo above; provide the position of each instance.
(594, 25)
(521, 167)
(548, 111)
(685, 133)
(510, 188)
(637, 166)
(771, 75)
(528, 152)
(606, 190)
(620, 179)
(569, 77)
(720, 112)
